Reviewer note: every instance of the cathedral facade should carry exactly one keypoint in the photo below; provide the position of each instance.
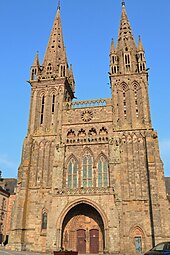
(91, 179)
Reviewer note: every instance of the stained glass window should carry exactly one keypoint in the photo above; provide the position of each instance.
(87, 170)
(102, 172)
(72, 174)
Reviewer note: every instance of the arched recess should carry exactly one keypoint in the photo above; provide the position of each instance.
(72, 173)
(102, 171)
(137, 241)
(87, 178)
(137, 99)
(83, 228)
(124, 101)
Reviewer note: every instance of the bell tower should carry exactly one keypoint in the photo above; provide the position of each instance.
(129, 79)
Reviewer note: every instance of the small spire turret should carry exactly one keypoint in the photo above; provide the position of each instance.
(36, 60)
(141, 56)
(140, 45)
(112, 48)
(71, 78)
(35, 68)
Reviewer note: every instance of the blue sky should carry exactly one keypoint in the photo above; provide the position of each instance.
(88, 26)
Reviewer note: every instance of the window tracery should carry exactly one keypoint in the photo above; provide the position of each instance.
(72, 174)
(87, 170)
(82, 132)
(103, 131)
(92, 132)
(71, 133)
(102, 172)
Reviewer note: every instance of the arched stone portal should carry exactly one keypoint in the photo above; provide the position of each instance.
(83, 230)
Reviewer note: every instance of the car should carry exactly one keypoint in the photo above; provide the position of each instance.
(160, 249)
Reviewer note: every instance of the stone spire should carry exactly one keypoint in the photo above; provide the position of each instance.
(125, 37)
(140, 45)
(55, 60)
(36, 60)
(112, 48)
(71, 78)
(35, 68)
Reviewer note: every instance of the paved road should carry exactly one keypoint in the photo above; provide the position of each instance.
(7, 252)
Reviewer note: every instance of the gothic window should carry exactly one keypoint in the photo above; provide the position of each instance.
(138, 244)
(72, 174)
(113, 59)
(124, 103)
(138, 239)
(44, 221)
(63, 71)
(33, 74)
(53, 104)
(87, 170)
(42, 110)
(127, 61)
(136, 104)
(102, 172)
(49, 69)
(136, 94)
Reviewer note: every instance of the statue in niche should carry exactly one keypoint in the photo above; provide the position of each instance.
(114, 148)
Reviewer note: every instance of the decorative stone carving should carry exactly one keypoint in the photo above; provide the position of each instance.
(114, 150)
(87, 116)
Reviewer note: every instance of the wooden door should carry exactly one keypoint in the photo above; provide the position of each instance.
(81, 241)
(94, 241)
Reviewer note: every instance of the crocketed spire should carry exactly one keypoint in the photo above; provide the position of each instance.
(125, 37)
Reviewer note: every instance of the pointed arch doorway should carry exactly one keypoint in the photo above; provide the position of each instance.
(83, 230)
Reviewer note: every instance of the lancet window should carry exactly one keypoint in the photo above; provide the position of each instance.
(53, 104)
(136, 102)
(44, 221)
(87, 170)
(42, 109)
(102, 172)
(127, 61)
(72, 174)
(124, 103)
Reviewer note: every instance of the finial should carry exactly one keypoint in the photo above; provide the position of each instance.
(59, 4)
(123, 2)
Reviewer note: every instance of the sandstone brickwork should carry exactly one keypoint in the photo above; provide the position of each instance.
(91, 178)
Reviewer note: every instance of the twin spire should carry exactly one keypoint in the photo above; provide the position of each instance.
(55, 62)
(126, 57)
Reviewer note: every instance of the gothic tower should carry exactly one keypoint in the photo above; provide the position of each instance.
(91, 178)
